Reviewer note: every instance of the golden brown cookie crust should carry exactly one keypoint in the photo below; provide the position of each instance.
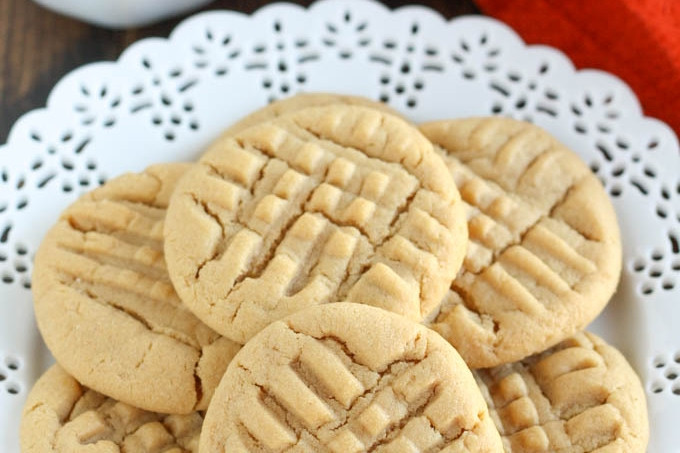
(60, 415)
(107, 309)
(321, 204)
(580, 396)
(301, 101)
(347, 378)
(544, 255)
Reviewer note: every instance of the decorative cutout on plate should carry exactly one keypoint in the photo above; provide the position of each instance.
(284, 64)
(165, 94)
(408, 62)
(346, 34)
(97, 105)
(666, 371)
(525, 95)
(16, 264)
(9, 382)
(215, 51)
(474, 54)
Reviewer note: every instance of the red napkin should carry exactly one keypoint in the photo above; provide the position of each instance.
(637, 40)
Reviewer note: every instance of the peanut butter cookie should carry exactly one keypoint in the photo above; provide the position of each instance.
(107, 309)
(62, 416)
(318, 205)
(544, 255)
(579, 396)
(301, 101)
(348, 378)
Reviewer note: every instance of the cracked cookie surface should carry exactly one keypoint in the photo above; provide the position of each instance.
(347, 378)
(544, 255)
(580, 396)
(62, 416)
(318, 205)
(107, 309)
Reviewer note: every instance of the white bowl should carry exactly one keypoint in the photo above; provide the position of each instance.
(122, 13)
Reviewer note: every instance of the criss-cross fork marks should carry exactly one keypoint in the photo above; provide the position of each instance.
(94, 418)
(111, 251)
(543, 239)
(524, 254)
(301, 219)
(323, 399)
(553, 401)
(101, 275)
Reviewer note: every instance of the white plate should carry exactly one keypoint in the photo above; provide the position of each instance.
(165, 99)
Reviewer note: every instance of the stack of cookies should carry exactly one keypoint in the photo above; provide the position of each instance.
(331, 278)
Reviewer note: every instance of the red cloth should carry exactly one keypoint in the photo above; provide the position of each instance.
(637, 40)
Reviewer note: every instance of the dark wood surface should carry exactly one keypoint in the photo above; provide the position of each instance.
(38, 47)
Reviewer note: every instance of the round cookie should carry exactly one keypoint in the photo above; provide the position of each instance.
(346, 378)
(318, 205)
(301, 101)
(579, 396)
(107, 309)
(60, 415)
(544, 254)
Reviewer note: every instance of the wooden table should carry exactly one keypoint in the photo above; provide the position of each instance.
(38, 47)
